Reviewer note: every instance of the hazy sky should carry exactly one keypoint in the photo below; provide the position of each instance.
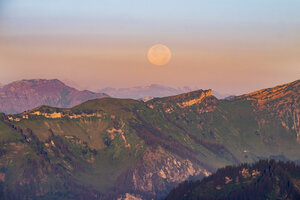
(232, 46)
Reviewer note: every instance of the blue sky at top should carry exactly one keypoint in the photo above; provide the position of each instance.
(149, 17)
(158, 11)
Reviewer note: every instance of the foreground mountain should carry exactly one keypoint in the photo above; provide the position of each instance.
(262, 180)
(141, 92)
(122, 148)
(23, 95)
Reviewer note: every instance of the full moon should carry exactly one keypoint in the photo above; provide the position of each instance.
(159, 55)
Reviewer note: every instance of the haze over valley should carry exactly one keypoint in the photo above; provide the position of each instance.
(149, 100)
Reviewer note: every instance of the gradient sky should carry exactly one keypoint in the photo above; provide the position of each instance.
(231, 46)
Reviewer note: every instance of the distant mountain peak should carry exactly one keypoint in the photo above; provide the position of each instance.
(26, 81)
(140, 92)
(23, 95)
(125, 145)
(152, 91)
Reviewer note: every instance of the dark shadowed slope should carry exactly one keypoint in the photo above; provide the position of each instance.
(262, 180)
(122, 147)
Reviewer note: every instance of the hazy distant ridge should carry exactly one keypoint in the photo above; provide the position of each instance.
(138, 92)
(153, 90)
(122, 148)
(23, 95)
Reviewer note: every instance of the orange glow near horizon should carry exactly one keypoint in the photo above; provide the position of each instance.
(215, 44)
(205, 64)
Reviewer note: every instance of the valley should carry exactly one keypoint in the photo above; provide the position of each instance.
(117, 148)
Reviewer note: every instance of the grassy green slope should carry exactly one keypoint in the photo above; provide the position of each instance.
(92, 134)
(96, 150)
(102, 145)
(249, 127)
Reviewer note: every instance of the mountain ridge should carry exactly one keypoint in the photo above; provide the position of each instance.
(24, 95)
(117, 148)
(152, 91)
(140, 92)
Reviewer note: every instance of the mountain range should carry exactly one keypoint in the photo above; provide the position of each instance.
(151, 91)
(128, 149)
(24, 95)
(19, 96)
(141, 92)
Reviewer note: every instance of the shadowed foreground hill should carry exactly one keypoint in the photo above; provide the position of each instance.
(23, 95)
(121, 148)
(262, 180)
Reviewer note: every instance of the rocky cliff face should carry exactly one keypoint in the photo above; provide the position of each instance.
(280, 104)
(23, 95)
(181, 102)
(157, 171)
(127, 149)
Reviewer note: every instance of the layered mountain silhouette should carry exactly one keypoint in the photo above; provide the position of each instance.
(23, 95)
(144, 92)
(151, 91)
(122, 148)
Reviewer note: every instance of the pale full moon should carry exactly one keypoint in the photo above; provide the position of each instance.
(159, 55)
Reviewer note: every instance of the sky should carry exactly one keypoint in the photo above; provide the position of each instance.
(231, 46)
